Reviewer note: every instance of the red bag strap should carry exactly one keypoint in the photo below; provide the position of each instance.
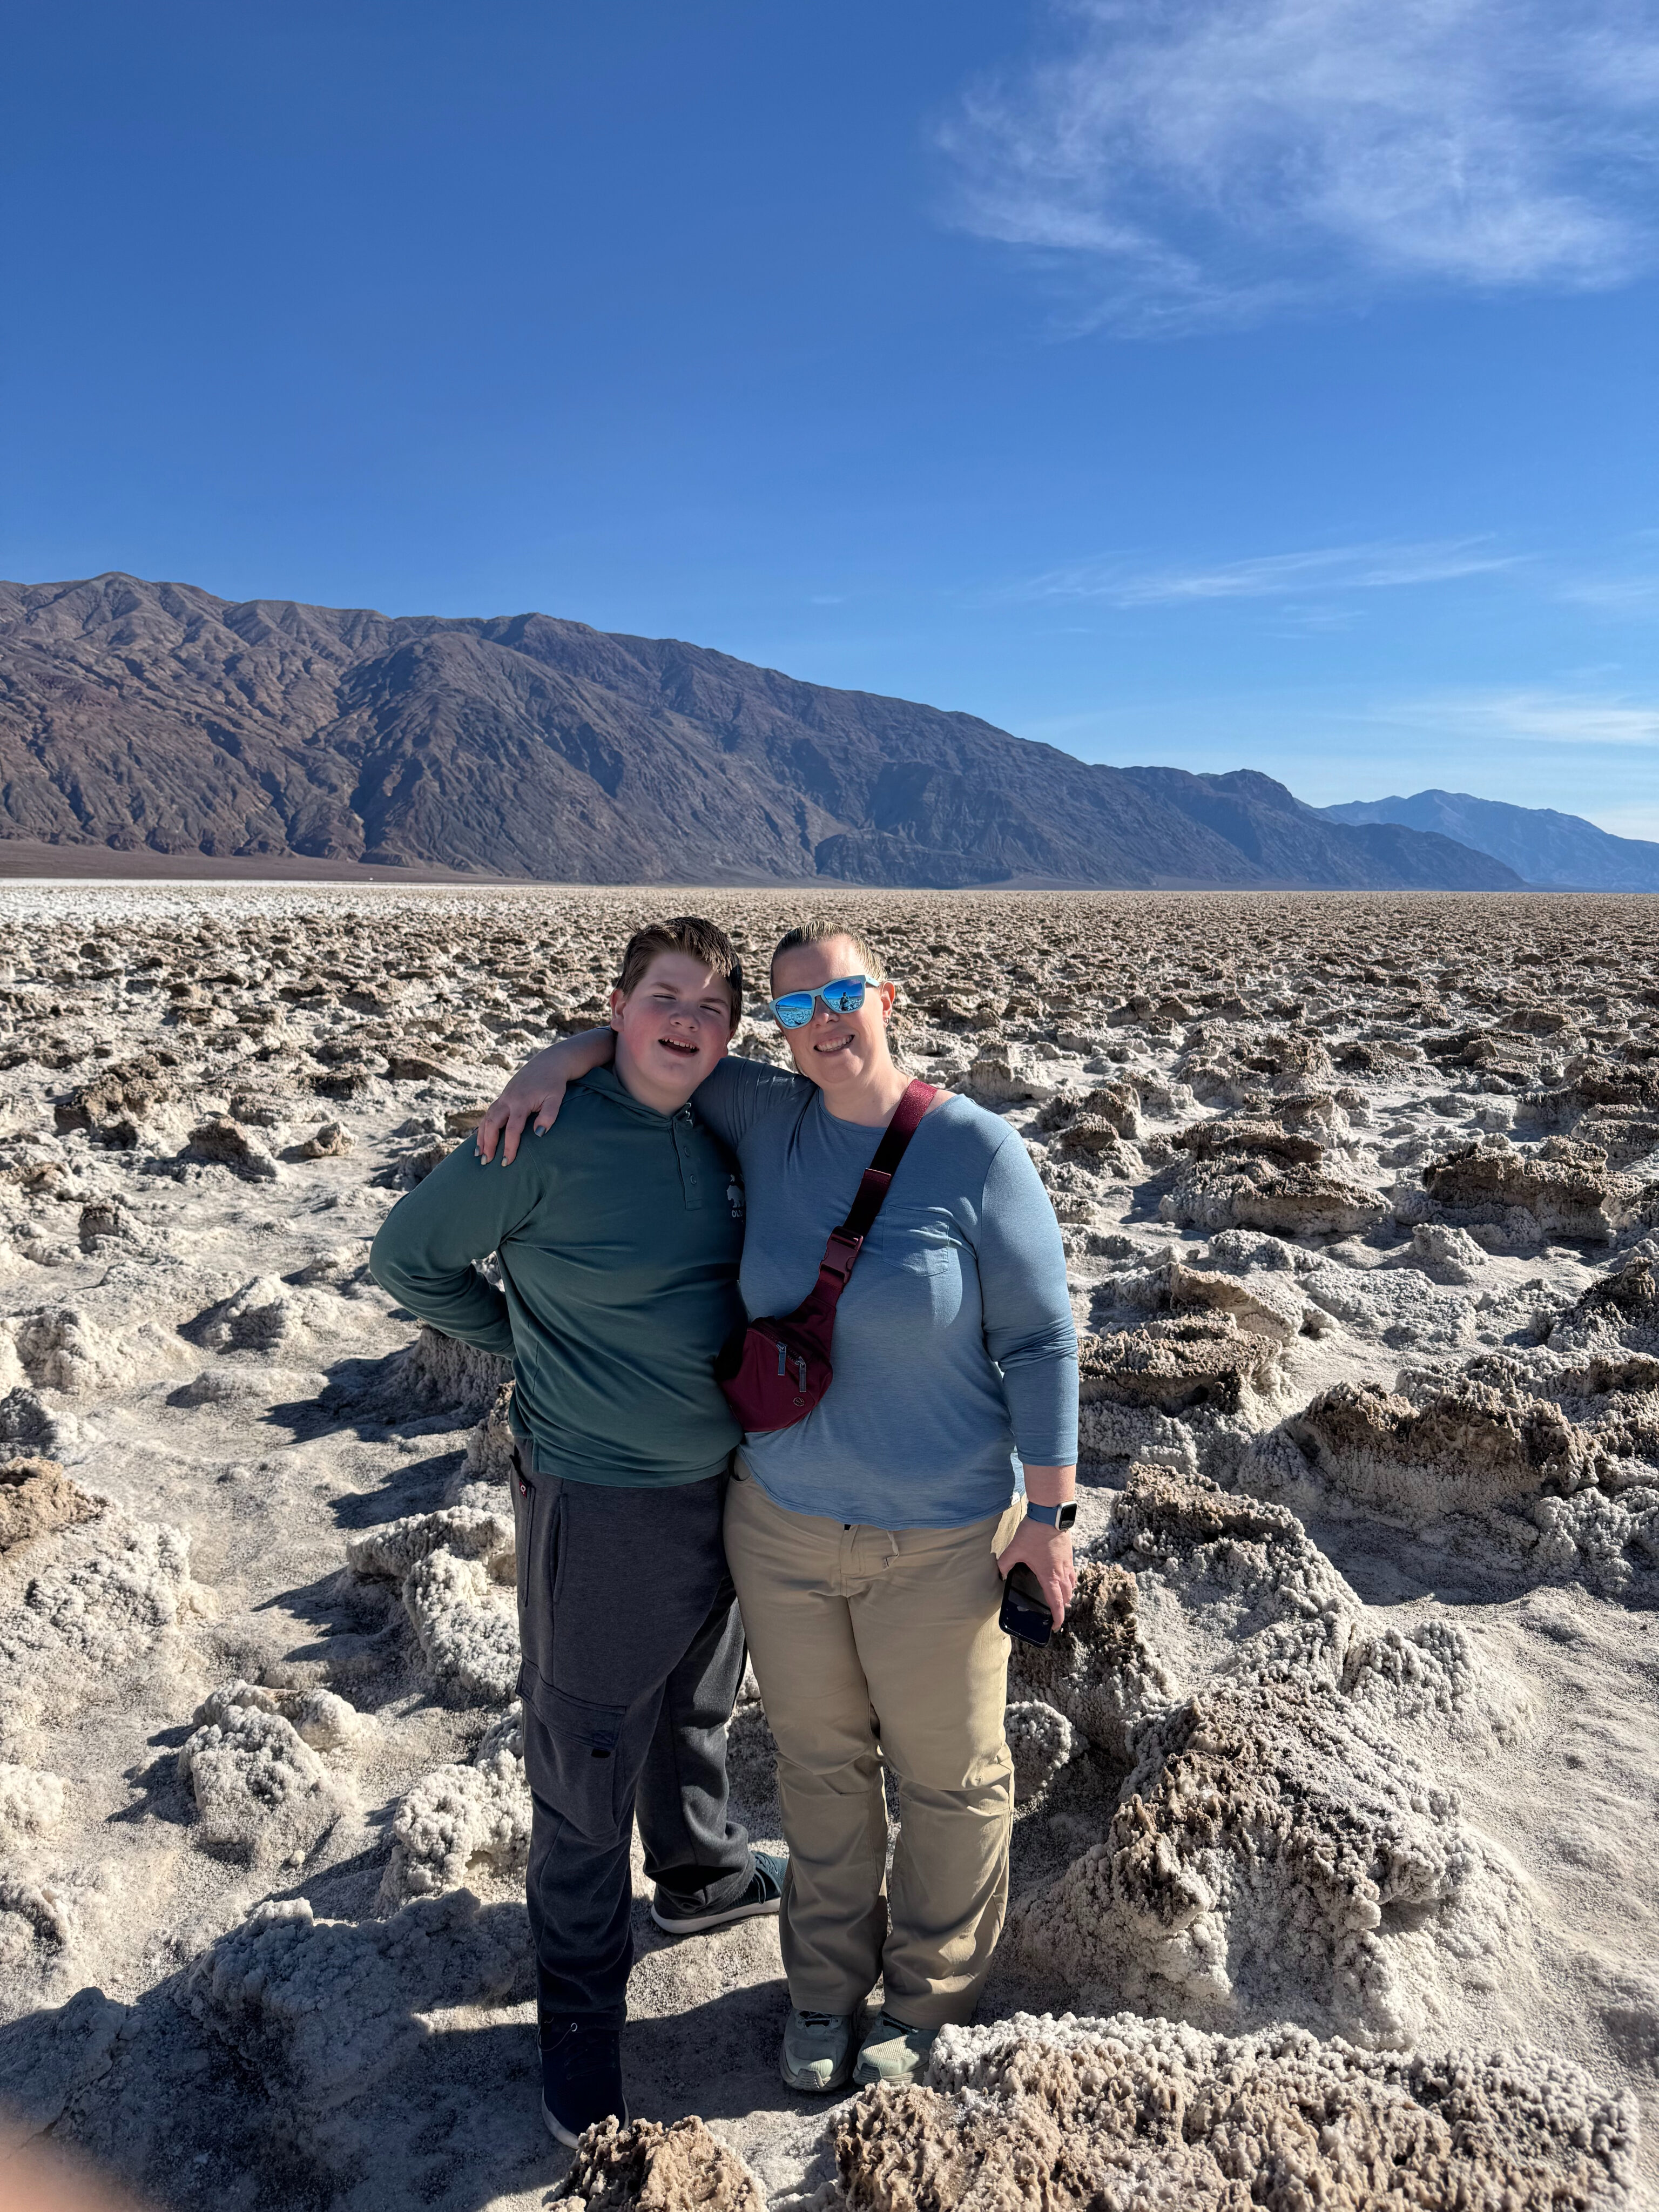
(845, 1243)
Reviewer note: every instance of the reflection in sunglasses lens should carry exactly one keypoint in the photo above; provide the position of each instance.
(844, 996)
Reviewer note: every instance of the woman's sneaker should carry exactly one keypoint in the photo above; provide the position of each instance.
(817, 2050)
(763, 1894)
(581, 2079)
(894, 2052)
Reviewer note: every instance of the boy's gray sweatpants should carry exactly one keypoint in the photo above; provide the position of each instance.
(632, 1656)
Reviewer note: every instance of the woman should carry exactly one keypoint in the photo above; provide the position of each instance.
(867, 1541)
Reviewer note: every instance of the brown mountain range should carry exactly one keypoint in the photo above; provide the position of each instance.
(155, 720)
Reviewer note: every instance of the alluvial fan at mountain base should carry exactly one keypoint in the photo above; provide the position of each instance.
(1333, 1878)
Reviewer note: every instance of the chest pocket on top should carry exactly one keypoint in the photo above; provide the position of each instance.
(917, 1265)
(901, 1232)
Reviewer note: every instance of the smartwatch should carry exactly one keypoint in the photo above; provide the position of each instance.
(1054, 1516)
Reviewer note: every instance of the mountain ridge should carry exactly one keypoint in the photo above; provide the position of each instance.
(159, 717)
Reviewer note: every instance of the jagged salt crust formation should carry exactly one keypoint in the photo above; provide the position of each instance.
(1134, 2114)
(1335, 1798)
(29, 1803)
(331, 2006)
(645, 2164)
(36, 1498)
(459, 1821)
(1271, 1837)
(454, 1571)
(111, 1592)
(1543, 1455)
(256, 1768)
(436, 1375)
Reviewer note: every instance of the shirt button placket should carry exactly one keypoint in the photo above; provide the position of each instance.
(688, 1166)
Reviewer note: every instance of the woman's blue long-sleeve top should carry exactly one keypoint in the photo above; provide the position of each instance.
(954, 1351)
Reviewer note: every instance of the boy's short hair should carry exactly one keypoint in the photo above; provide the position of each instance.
(815, 931)
(698, 940)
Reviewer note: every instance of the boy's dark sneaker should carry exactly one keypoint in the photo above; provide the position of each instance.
(582, 2078)
(763, 1894)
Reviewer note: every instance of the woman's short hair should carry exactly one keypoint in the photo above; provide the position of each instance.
(816, 932)
(698, 940)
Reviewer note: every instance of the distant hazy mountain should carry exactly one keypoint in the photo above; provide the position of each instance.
(1560, 851)
(1260, 819)
(137, 716)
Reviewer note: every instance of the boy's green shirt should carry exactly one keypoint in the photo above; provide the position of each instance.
(618, 1234)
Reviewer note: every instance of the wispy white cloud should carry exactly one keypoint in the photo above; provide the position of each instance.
(1561, 718)
(1310, 575)
(1614, 595)
(1216, 159)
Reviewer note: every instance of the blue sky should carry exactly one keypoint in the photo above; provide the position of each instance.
(1227, 383)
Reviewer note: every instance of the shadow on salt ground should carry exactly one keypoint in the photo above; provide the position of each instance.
(159, 2101)
(152, 2099)
(161, 1793)
(156, 2100)
(416, 1487)
(718, 2058)
(1397, 1566)
(335, 1409)
(358, 1632)
(369, 1396)
(457, 2125)
(344, 1889)
(472, 2098)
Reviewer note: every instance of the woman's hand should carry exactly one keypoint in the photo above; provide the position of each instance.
(539, 1090)
(1048, 1553)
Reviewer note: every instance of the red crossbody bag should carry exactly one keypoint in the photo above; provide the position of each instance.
(772, 1371)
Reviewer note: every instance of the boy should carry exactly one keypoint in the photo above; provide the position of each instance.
(618, 1234)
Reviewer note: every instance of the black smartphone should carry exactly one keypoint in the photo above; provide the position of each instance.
(1025, 1609)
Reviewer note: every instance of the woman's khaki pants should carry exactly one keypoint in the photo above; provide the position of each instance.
(873, 1646)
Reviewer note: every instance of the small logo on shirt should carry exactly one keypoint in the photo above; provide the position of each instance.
(734, 1197)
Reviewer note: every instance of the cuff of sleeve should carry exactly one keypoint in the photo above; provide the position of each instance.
(1047, 1451)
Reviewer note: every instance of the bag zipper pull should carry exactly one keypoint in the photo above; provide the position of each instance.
(783, 1357)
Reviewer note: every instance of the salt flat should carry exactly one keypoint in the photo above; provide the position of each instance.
(1336, 1842)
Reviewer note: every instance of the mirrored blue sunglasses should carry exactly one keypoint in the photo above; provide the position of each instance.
(795, 1009)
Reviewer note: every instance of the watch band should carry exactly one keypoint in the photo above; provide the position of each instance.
(1053, 1517)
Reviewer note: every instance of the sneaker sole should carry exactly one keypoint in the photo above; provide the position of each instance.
(716, 1919)
(556, 2129)
(562, 2134)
